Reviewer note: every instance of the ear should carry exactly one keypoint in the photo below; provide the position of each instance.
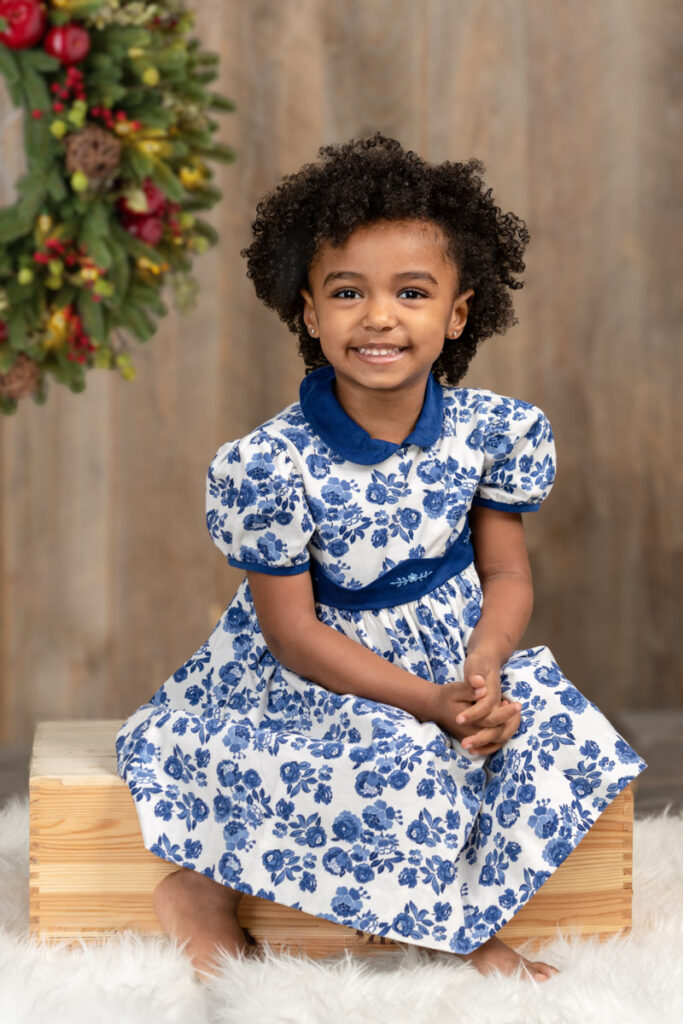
(309, 316)
(460, 311)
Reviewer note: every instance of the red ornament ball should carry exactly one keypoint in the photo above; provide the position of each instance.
(26, 23)
(68, 43)
(147, 229)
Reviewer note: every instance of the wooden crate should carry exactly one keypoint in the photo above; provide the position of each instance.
(90, 874)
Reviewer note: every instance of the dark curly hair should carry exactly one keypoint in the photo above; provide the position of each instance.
(366, 180)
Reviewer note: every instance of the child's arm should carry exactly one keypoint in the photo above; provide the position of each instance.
(503, 567)
(299, 640)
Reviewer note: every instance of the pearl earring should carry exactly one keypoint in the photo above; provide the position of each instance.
(312, 330)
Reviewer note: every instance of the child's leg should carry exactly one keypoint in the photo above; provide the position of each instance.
(191, 906)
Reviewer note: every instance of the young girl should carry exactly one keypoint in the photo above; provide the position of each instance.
(359, 737)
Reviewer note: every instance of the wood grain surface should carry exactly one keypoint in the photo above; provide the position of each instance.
(108, 578)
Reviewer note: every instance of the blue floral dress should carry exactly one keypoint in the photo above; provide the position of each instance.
(348, 808)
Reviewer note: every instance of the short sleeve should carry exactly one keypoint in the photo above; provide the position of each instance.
(519, 458)
(256, 509)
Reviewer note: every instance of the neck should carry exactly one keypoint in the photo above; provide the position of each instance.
(386, 415)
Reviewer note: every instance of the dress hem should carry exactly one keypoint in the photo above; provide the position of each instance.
(403, 939)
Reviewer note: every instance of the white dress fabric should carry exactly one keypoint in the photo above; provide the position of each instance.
(344, 807)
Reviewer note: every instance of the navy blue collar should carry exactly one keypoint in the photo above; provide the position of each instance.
(333, 424)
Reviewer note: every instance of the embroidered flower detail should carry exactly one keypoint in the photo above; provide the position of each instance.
(412, 577)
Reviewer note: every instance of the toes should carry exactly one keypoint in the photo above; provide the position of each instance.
(542, 971)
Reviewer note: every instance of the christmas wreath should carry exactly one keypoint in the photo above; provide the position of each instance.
(118, 139)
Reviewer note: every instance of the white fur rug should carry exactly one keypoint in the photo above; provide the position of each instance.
(135, 979)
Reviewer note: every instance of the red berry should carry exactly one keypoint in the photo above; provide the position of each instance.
(36, 114)
(3, 331)
(26, 23)
(69, 43)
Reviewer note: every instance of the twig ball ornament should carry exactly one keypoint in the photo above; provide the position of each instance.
(94, 151)
(21, 380)
(118, 134)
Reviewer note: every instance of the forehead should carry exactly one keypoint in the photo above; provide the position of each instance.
(398, 241)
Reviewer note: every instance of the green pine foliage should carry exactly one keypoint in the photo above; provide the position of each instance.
(153, 82)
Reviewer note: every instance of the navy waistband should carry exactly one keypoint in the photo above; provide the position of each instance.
(405, 582)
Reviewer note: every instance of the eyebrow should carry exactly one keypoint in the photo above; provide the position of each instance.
(422, 275)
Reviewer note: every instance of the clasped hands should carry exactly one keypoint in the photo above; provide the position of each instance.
(473, 710)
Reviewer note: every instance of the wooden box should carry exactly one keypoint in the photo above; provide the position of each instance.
(91, 875)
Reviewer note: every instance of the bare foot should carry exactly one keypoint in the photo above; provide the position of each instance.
(193, 906)
(495, 955)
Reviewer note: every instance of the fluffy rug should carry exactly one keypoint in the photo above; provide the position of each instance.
(634, 979)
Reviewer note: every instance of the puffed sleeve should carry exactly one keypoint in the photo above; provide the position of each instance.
(519, 457)
(256, 509)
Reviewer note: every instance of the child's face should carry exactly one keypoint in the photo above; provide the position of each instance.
(387, 287)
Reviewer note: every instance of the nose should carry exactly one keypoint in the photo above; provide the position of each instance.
(378, 315)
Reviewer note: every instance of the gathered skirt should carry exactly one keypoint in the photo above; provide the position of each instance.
(353, 810)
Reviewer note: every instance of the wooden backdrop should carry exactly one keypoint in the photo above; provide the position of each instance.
(108, 578)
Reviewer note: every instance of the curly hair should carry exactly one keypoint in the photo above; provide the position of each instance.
(372, 179)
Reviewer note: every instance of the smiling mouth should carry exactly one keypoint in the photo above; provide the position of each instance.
(383, 353)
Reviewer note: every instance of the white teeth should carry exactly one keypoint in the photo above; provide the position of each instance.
(379, 351)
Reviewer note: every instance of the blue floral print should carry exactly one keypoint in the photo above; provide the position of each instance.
(348, 808)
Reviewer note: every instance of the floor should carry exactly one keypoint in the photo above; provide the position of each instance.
(656, 735)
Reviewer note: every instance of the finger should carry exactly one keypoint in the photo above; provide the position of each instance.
(478, 682)
(462, 690)
(478, 710)
(502, 714)
(507, 731)
(511, 728)
(481, 738)
(487, 748)
(490, 748)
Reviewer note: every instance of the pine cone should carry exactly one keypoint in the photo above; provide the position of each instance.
(93, 151)
(21, 379)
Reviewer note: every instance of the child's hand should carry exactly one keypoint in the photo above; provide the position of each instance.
(486, 735)
(500, 725)
(483, 675)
